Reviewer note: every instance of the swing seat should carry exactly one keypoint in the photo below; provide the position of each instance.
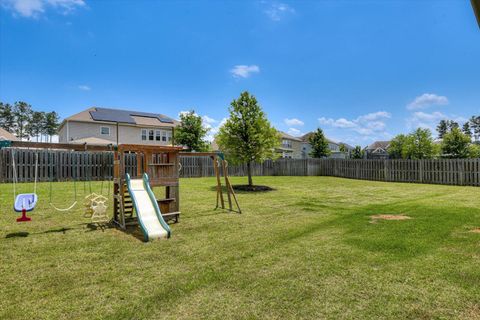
(25, 201)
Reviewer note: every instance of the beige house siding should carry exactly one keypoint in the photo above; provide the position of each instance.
(290, 148)
(128, 134)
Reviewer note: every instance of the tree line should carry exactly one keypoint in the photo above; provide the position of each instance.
(419, 144)
(470, 128)
(25, 123)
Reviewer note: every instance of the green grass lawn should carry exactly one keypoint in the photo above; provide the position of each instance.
(306, 250)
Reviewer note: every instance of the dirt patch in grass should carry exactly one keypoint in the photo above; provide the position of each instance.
(377, 217)
(475, 230)
(247, 188)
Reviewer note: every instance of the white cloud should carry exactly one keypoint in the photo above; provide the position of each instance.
(430, 121)
(294, 122)
(213, 129)
(277, 11)
(244, 71)
(294, 132)
(426, 100)
(84, 87)
(34, 8)
(366, 125)
(206, 119)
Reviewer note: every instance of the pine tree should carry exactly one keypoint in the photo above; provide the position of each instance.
(319, 144)
(7, 119)
(442, 128)
(36, 124)
(357, 153)
(51, 124)
(21, 112)
(467, 130)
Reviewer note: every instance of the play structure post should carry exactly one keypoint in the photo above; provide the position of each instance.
(225, 175)
(219, 183)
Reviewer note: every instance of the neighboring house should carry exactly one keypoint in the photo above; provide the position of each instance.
(104, 126)
(377, 150)
(5, 135)
(332, 145)
(290, 146)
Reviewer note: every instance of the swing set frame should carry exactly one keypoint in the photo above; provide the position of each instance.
(145, 164)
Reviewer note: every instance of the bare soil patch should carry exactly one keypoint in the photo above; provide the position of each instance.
(475, 230)
(377, 217)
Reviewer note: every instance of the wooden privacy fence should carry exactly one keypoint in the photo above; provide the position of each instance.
(437, 171)
(55, 165)
(61, 165)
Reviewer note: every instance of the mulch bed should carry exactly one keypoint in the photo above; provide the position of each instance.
(254, 188)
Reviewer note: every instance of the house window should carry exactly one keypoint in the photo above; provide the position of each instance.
(286, 143)
(144, 134)
(164, 136)
(105, 131)
(169, 136)
(151, 135)
(157, 135)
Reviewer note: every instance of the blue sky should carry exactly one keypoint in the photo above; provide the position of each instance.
(361, 70)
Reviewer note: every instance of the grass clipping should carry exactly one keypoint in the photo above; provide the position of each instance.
(377, 217)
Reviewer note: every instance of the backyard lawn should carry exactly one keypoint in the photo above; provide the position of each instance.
(308, 249)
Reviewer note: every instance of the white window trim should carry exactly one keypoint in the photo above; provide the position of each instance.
(146, 134)
(105, 134)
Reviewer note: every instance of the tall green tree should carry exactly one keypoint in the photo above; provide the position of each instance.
(455, 144)
(7, 118)
(467, 130)
(247, 135)
(21, 112)
(191, 132)
(442, 128)
(319, 144)
(453, 125)
(36, 124)
(475, 125)
(397, 146)
(419, 145)
(474, 151)
(357, 153)
(51, 124)
(343, 148)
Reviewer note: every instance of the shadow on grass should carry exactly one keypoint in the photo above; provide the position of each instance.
(17, 235)
(23, 234)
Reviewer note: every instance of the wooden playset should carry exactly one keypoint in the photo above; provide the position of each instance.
(155, 167)
(162, 165)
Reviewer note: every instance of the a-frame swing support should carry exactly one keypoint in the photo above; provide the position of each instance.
(218, 159)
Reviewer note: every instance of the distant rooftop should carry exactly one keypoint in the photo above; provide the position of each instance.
(288, 136)
(122, 116)
(5, 135)
(379, 144)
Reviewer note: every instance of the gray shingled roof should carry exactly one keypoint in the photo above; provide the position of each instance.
(379, 144)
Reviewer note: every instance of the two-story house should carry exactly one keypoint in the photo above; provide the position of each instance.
(377, 150)
(104, 126)
(290, 146)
